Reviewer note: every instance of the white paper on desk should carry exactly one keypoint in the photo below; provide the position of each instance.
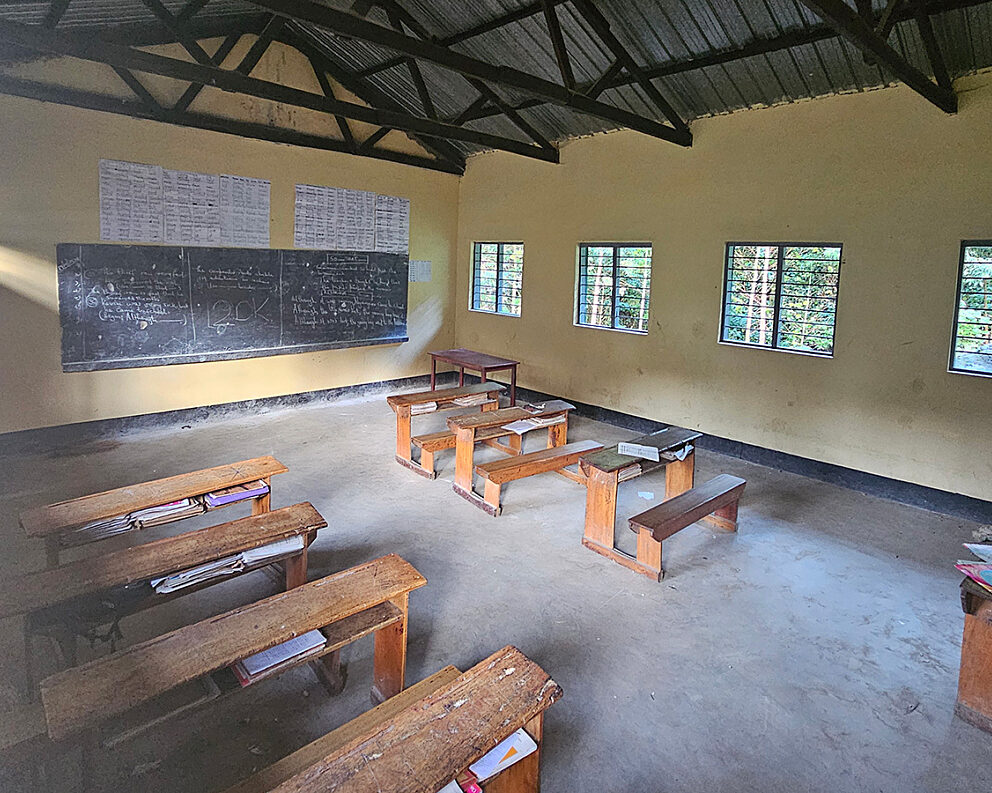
(273, 549)
(451, 787)
(636, 450)
(506, 753)
(682, 453)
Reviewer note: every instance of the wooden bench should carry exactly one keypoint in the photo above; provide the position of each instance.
(419, 741)
(496, 473)
(974, 699)
(442, 399)
(55, 522)
(719, 497)
(67, 600)
(370, 598)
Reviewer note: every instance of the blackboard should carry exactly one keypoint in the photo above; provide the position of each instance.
(124, 306)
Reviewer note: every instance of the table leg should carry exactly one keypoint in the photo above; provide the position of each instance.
(329, 672)
(403, 431)
(262, 504)
(679, 475)
(601, 508)
(482, 375)
(464, 453)
(389, 655)
(296, 570)
(433, 373)
(513, 385)
(558, 434)
(461, 376)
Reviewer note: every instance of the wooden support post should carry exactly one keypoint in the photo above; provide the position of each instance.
(296, 570)
(601, 509)
(492, 496)
(65, 637)
(427, 462)
(679, 475)
(558, 434)
(389, 655)
(331, 674)
(403, 431)
(974, 703)
(487, 406)
(52, 551)
(649, 555)
(464, 453)
(514, 444)
(30, 690)
(263, 504)
(725, 517)
(524, 776)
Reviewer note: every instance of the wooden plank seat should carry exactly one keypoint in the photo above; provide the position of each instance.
(55, 522)
(422, 746)
(498, 472)
(345, 606)
(434, 442)
(719, 497)
(75, 598)
(440, 399)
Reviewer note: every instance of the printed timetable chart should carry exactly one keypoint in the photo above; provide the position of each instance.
(148, 203)
(335, 218)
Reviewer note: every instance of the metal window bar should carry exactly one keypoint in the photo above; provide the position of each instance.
(497, 291)
(971, 348)
(606, 270)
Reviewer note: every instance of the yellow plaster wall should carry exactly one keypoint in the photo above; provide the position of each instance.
(895, 180)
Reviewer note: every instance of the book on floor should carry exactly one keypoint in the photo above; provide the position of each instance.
(229, 495)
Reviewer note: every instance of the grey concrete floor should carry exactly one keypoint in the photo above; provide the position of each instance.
(815, 650)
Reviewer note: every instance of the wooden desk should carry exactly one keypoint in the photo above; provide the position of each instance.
(603, 472)
(372, 597)
(466, 427)
(55, 520)
(402, 405)
(974, 702)
(475, 362)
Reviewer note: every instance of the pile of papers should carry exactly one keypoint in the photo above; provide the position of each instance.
(229, 565)
(97, 530)
(526, 425)
(630, 472)
(515, 748)
(979, 572)
(470, 400)
(229, 495)
(288, 653)
(423, 407)
(166, 513)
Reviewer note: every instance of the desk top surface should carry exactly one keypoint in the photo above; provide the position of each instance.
(495, 418)
(443, 394)
(472, 359)
(670, 439)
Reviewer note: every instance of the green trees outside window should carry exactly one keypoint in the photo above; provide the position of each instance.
(497, 277)
(972, 348)
(614, 286)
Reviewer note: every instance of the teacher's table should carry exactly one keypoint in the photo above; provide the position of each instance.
(475, 362)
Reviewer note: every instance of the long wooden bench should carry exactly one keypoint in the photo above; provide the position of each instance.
(419, 741)
(55, 522)
(719, 497)
(74, 598)
(370, 598)
(403, 406)
(498, 472)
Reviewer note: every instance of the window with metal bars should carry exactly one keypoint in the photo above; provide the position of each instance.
(972, 349)
(782, 296)
(614, 286)
(497, 277)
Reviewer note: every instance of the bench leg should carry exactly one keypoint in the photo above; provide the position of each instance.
(601, 508)
(389, 655)
(679, 475)
(330, 672)
(649, 555)
(52, 552)
(515, 443)
(262, 504)
(464, 452)
(403, 432)
(492, 496)
(558, 434)
(296, 570)
(725, 517)
(525, 775)
(66, 639)
(427, 461)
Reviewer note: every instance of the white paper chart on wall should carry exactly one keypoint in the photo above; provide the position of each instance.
(148, 203)
(336, 218)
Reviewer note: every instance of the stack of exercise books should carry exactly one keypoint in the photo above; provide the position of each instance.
(979, 572)
(267, 662)
(229, 495)
(166, 513)
(229, 565)
(98, 530)
(423, 407)
(470, 400)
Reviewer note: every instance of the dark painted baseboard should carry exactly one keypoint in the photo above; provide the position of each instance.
(53, 439)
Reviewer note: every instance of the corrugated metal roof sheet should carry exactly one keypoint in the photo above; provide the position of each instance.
(655, 32)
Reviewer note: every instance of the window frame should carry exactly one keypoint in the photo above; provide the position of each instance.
(774, 347)
(476, 245)
(955, 321)
(578, 285)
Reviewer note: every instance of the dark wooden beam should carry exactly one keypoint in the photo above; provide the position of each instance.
(93, 49)
(55, 12)
(850, 26)
(602, 82)
(189, 42)
(591, 13)
(374, 138)
(352, 26)
(558, 44)
(217, 59)
(934, 55)
(328, 90)
(888, 19)
(138, 88)
(415, 74)
(68, 96)
(191, 9)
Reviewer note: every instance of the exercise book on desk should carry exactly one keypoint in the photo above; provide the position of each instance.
(229, 495)
(229, 565)
(167, 513)
(526, 425)
(296, 648)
